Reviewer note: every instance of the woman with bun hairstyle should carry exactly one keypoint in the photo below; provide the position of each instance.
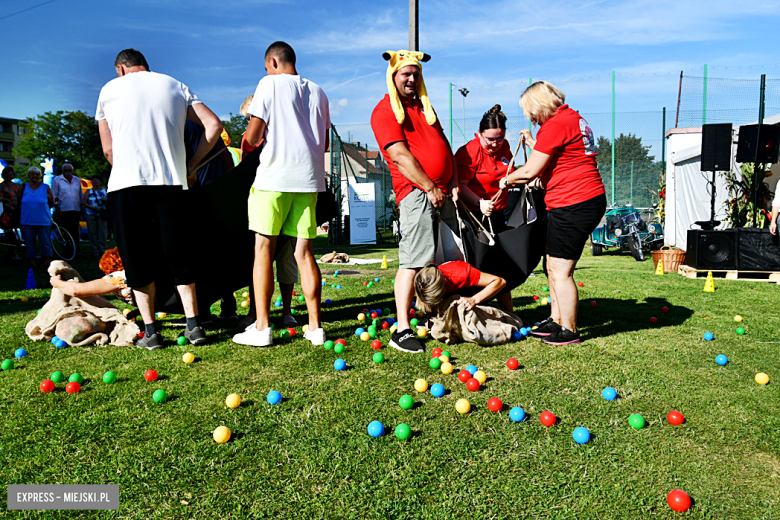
(564, 155)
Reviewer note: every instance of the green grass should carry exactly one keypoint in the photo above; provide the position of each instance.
(311, 457)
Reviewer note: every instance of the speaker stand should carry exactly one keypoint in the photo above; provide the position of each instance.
(711, 224)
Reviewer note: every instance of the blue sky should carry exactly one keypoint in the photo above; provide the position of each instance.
(57, 56)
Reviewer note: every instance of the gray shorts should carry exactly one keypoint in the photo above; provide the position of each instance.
(286, 266)
(417, 220)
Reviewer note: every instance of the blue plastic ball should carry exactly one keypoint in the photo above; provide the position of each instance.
(376, 279)
(324, 284)
(277, 304)
(376, 429)
(525, 331)
(339, 364)
(61, 343)
(390, 321)
(517, 335)
(437, 390)
(359, 331)
(721, 359)
(328, 302)
(20, 353)
(472, 369)
(379, 312)
(709, 336)
(581, 435)
(54, 340)
(609, 393)
(338, 287)
(517, 414)
(273, 397)
(337, 272)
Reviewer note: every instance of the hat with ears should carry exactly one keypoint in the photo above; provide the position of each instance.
(397, 60)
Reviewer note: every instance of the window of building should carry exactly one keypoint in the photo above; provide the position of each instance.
(5, 147)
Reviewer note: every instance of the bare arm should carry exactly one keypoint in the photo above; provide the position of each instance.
(491, 284)
(97, 287)
(255, 130)
(530, 170)
(202, 115)
(106, 141)
(85, 203)
(409, 167)
(773, 224)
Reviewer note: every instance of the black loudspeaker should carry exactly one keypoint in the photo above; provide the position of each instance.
(716, 147)
(758, 250)
(768, 144)
(712, 249)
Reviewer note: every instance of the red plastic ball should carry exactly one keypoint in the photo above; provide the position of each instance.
(464, 375)
(376, 344)
(593, 304)
(150, 375)
(535, 297)
(581, 284)
(411, 312)
(374, 315)
(547, 418)
(47, 386)
(291, 331)
(140, 335)
(472, 384)
(364, 311)
(512, 364)
(293, 293)
(675, 418)
(73, 387)
(653, 320)
(495, 404)
(436, 352)
(664, 309)
(365, 283)
(385, 325)
(678, 500)
(341, 341)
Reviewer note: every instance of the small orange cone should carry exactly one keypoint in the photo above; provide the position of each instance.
(659, 270)
(709, 285)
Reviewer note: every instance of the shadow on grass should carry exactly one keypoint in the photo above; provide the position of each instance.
(613, 316)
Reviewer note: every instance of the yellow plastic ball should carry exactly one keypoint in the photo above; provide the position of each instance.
(161, 315)
(361, 317)
(25, 299)
(421, 332)
(463, 406)
(126, 312)
(222, 434)
(393, 329)
(480, 376)
(233, 401)
(737, 318)
(235, 295)
(446, 368)
(245, 304)
(421, 385)
(544, 301)
(188, 358)
(444, 359)
(305, 327)
(762, 378)
(365, 336)
(245, 295)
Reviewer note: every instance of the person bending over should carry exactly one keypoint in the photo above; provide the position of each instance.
(434, 284)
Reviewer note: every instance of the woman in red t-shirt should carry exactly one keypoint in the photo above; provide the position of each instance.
(564, 155)
(433, 284)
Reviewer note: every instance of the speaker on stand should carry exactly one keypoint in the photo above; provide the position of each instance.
(710, 249)
(715, 157)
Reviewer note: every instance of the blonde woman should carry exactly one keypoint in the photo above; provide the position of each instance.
(564, 156)
(433, 284)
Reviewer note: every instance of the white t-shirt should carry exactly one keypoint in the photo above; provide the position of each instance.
(297, 120)
(146, 113)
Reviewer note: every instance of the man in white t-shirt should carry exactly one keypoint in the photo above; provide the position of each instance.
(289, 114)
(141, 117)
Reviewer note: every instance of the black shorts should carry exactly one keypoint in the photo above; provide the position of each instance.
(568, 228)
(150, 227)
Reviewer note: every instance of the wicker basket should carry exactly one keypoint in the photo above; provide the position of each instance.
(671, 256)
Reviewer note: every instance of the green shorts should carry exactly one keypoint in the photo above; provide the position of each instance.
(274, 213)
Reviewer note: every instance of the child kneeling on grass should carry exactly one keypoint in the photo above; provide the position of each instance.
(433, 285)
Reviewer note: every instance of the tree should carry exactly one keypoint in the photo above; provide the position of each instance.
(68, 137)
(235, 127)
(636, 172)
(627, 148)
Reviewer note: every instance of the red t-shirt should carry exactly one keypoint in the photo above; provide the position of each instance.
(427, 144)
(481, 171)
(572, 175)
(459, 275)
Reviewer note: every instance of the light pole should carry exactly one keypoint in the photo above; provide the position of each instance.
(465, 93)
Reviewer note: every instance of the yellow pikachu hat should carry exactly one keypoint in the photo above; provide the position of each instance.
(397, 60)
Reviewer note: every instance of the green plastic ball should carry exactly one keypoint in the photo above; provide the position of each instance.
(403, 432)
(211, 308)
(272, 326)
(181, 340)
(636, 421)
(392, 281)
(284, 334)
(435, 363)
(387, 312)
(8, 364)
(545, 288)
(378, 358)
(301, 298)
(740, 331)
(292, 311)
(414, 322)
(109, 378)
(328, 345)
(76, 377)
(370, 284)
(445, 353)
(406, 402)
(278, 298)
(338, 349)
(39, 311)
(372, 333)
(371, 328)
(333, 286)
(160, 396)
(57, 377)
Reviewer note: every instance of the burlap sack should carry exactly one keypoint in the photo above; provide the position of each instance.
(483, 325)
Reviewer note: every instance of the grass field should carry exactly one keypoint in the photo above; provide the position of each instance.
(311, 457)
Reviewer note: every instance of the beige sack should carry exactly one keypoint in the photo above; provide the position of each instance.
(335, 258)
(483, 325)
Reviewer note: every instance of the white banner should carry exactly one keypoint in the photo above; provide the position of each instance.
(362, 216)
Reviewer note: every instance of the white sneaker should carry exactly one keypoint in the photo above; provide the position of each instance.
(289, 321)
(255, 338)
(317, 337)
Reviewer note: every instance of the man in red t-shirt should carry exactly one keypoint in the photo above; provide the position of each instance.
(423, 171)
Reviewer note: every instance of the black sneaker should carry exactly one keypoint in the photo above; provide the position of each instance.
(405, 341)
(182, 322)
(152, 342)
(562, 336)
(545, 328)
(195, 336)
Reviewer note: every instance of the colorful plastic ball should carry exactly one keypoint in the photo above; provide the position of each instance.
(547, 418)
(480, 376)
(390, 321)
(372, 334)
(301, 298)
(361, 317)
(47, 386)
(413, 322)
(341, 341)
(25, 299)
(737, 318)
(446, 354)
(678, 500)
(339, 364)
(376, 279)
(517, 414)
(365, 283)
(150, 375)
(581, 284)
(337, 273)
(421, 332)
(374, 315)
(181, 341)
(338, 287)
(675, 418)
(740, 331)
(245, 294)
(437, 390)
(366, 336)
(472, 384)
(535, 297)
(386, 311)
(359, 331)
(233, 401)
(8, 364)
(517, 335)
(446, 368)
(709, 336)
(277, 304)
(160, 315)
(494, 404)
(403, 432)
(109, 378)
(338, 348)
(463, 406)
(221, 434)
(333, 286)
(293, 312)
(73, 387)
(653, 320)
(464, 375)
(245, 304)
(444, 359)
(58, 377)
(609, 393)
(525, 331)
(376, 429)
(291, 331)
(328, 345)
(721, 359)
(762, 378)
(664, 309)
(160, 396)
(434, 363)
(20, 353)
(273, 397)
(385, 325)
(61, 343)
(406, 401)
(76, 378)
(328, 302)
(323, 283)
(636, 421)
(421, 385)
(378, 357)
(593, 304)
(126, 312)
(472, 369)
(581, 435)
(512, 364)
(436, 352)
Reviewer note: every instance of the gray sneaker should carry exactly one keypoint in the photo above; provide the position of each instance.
(152, 342)
(195, 336)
